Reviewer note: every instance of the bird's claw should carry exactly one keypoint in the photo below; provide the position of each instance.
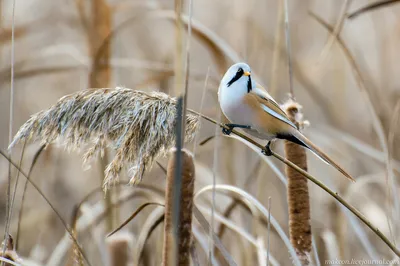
(230, 127)
(267, 150)
(227, 131)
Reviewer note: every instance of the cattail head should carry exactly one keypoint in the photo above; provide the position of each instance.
(293, 110)
(178, 237)
(137, 124)
(298, 195)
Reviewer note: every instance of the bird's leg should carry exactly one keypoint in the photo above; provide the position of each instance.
(231, 127)
(267, 150)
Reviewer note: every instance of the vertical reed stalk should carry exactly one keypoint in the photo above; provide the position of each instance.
(10, 133)
(184, 228)
(179, 86)
(100, 30)
(100, 74)
(298, 196)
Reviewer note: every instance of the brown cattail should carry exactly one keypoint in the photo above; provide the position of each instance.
(298, 196)
(119, 246)
(138, 125)
(179, 253)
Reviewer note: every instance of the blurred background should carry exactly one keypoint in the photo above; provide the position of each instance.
(348, 87)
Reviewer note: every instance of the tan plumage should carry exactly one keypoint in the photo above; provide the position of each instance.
(245, 103)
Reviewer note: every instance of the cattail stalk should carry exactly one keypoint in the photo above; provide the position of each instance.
(179, 254)
(298, 196)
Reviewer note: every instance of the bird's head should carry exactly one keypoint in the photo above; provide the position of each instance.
(238, 76)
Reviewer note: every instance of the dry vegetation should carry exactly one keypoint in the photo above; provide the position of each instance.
(345, 62)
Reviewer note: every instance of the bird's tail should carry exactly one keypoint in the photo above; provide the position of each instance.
(302, 140)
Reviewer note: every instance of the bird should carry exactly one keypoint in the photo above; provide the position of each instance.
(250, 107)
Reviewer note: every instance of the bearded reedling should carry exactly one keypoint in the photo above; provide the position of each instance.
(251, 108)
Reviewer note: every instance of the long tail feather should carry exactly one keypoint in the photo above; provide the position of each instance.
(302, 140)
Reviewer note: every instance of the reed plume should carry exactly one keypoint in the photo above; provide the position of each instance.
(298, 196)
(138, 125)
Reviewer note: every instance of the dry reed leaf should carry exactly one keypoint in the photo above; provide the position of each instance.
(137, 124)
(371, 7)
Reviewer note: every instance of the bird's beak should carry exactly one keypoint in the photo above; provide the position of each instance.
(247, 73)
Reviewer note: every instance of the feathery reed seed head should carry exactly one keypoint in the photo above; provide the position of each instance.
(293, 109)
(138, 125)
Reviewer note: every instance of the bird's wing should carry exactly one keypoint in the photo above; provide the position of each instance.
(269, 105)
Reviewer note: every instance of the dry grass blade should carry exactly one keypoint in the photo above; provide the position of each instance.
(15, 188)
(141, 207)
(371, 7)
(376, 122)
(391, 136)
(217, 242)
(298, 195)
(332, 38)
(153, 220)
(48, 202)
(255, 205)
(273, 85)
(183, 215)
(21, 211)
(178, 60)
(240, 231)
(99, 212)
(138, 125)
(288, 48)
(80, 6)
(10, 132)
(362, 84)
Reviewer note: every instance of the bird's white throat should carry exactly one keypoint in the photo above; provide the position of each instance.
(231, 100)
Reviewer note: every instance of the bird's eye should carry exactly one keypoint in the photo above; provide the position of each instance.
(240, 70)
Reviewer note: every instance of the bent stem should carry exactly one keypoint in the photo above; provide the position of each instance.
(357, 213)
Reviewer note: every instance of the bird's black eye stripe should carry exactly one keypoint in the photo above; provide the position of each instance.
(239, 74)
